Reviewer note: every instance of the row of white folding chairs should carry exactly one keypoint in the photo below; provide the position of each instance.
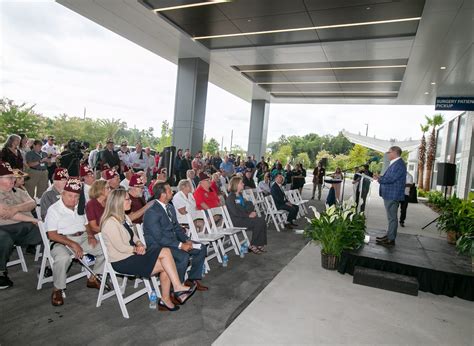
(294, 196)
(257, 200)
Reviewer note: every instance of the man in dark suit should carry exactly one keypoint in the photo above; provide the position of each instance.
(392, 190)
(109, 157)
(281, 202)
(160, 226)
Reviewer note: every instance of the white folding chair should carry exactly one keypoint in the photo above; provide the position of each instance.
(141, 236)
(261, 199)
(38, 253)
(213, 241)
(48, 260)
(20, 260)
(119, 289)
(230, 225)
(293, 198)
(226, 229)
(273, 214)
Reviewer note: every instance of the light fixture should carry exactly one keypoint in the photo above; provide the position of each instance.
(334, 92)
(333, 82)
(433, 83)
(324, 68)
(442, 68)
(196, 4)
(309, 28)
(427, 93)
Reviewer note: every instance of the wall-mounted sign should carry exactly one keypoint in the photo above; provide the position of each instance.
(453, 103)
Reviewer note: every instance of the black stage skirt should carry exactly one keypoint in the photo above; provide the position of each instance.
(138, 265)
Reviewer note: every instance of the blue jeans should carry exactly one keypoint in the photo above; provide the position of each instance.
(391, 207)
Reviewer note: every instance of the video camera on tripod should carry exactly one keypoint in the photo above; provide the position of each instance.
(72, 156)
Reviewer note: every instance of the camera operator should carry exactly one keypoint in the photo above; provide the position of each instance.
(71, 157)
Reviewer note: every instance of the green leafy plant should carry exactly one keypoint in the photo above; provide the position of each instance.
(337, 229)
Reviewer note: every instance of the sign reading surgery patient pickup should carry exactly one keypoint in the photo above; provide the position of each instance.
(454, 103)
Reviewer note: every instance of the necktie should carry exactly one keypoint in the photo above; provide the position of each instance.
(141, 155)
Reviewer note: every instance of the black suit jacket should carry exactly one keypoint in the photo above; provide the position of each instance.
(278, 195)
(110, 158)
(158, 229)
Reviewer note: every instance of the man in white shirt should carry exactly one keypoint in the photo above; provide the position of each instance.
(52, 151)
(139, 159)
(124, 155)
(67, 228)
(404, 204)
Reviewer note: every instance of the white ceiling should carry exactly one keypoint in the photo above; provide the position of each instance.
(444, 38)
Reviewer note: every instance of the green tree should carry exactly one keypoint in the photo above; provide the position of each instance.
(358, 155)
(284, 154)
(211, 146)
(341, 161)
(434, 122)
(303, 158)
(165, 137)
(17, 119)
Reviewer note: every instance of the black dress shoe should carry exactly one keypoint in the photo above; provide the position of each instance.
(386, 242)
(163, 307)
(381, 238)
(402, 223)
(293, 223)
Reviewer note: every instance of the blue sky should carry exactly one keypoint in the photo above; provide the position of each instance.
(62, 62)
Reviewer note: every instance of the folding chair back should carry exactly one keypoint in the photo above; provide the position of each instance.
(119, 289)
(273, 214)
(20, 260)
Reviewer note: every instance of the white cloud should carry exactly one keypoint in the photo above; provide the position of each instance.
(62, 62)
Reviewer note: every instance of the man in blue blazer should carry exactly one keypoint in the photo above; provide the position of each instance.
(392, 190)
(161, 227)
(281, 202)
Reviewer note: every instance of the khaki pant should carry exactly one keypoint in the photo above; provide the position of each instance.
(38, 180)
(62, 259)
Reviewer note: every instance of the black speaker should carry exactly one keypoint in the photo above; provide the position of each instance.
(169, 156)
(324, 161)
(446, 174)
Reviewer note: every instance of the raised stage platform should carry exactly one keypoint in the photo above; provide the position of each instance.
(436, 264)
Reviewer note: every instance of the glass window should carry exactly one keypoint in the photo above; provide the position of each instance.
(461, 133)
(439, 141)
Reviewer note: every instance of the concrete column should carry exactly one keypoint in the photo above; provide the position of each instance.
(190, 104)
(258, 128)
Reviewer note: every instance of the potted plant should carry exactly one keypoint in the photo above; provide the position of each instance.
(448, 220)
(337, 229)
(465, 219)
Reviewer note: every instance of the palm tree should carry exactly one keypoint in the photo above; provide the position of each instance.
(434, 122)
(422, 155)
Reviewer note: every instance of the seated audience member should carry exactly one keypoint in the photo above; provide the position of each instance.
(67, 228)
(183, 202)
(37, 162)
(281, 202)
(112, 177)
(278, 170)
(128, 255)
(161, 227)
(241, 168)
(216, 183)
(247, 179)
(20, 180)
(17, 224)
(250, 163)
(95, 207)
(191, 176)
(227, 167)
(138, 202)
(196, 163)
(11, 153)
(243, 214)
(205, 197)
(128, 174)
(53, 194)
(265, 185)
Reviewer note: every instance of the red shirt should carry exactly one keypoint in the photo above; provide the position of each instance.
(137, 204)
(208, 197)
(94, 210)
(214, 187)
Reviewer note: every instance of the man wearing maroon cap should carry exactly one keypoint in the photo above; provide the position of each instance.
(139, 205)
(112, 178)
(52, 195)
(67, 228)
(17, 225)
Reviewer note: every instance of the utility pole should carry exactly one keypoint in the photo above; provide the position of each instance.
(366, 130)
(222, 143)
(84, 113)
(231, 139)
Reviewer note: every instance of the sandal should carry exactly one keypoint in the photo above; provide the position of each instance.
(255, 250)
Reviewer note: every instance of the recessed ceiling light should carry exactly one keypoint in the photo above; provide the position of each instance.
(368, 8)
(324, 68)
(442, 68)
(433, 83)
(426, 93)
(196, 4)
(333, 82)
(334, 92)
(309, 28)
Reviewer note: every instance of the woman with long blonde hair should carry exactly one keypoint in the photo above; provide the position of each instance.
(128, 255)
